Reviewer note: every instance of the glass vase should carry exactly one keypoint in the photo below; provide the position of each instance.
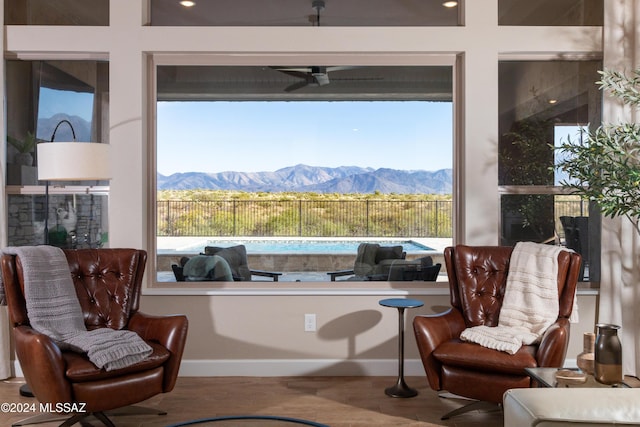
(608, 354)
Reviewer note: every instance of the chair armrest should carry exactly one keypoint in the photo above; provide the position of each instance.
(42, 364)
(553, 345)
(262, 273)
(169, 331)
(340, 273)
(430, 332)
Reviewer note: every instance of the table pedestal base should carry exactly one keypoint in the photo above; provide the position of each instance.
(401, 389)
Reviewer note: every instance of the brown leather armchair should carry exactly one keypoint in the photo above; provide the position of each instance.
(477, 278)
(108, 283)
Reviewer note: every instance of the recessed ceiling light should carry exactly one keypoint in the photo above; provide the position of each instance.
(187, 3)
(553, 101)
(450, 4)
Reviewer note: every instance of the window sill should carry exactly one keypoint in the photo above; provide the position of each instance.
(315, 288)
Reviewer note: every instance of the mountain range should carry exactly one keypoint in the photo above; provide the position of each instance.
(304, 178)
(81, 127)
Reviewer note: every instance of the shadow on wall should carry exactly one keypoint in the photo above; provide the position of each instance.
(348, 327)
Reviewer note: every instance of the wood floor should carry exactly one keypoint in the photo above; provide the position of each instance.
(334, 401)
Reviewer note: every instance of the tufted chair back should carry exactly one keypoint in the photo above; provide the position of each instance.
(477, 280)
(108, 284)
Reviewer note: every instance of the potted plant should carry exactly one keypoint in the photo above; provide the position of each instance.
(24, 147)
(605, 167)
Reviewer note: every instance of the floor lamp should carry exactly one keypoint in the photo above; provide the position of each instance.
(68, 161)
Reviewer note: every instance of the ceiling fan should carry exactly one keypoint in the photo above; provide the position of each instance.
(313, 75)
(310, 76)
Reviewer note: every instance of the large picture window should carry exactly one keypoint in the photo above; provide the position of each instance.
(304, 156)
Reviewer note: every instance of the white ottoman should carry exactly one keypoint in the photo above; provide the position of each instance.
(550, 407)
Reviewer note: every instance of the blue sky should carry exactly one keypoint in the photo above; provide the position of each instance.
(252, 136)
(52, 102)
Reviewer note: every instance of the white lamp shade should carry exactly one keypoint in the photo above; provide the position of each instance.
(73, 161)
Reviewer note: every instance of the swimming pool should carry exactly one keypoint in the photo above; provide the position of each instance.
(310, 246)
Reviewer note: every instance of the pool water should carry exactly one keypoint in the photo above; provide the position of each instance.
(285, 246)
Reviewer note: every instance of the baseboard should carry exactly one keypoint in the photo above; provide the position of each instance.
(306, 367)
(296, 368)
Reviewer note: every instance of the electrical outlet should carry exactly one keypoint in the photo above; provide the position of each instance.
(309, 322)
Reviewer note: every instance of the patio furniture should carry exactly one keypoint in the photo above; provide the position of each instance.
(379, 263)
(235, 256)
(372, 262)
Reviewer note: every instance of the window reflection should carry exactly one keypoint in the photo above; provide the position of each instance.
(75, 220)
(39, 95)
(59, 12)
(551, 12)
(536, 97)
(42, 93)
(562, 220)
(541, 105)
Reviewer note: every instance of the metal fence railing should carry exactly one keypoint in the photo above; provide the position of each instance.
(305, 218)
(319, 218)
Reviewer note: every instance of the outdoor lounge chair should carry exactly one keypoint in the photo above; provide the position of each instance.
(379, 263)
(235, 256)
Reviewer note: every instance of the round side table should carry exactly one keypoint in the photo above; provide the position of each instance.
(401, 389)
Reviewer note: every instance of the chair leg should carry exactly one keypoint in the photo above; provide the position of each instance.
(78, 417)
(102, 417)
(477, 405)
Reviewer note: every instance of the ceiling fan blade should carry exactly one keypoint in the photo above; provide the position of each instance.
(321, 78)
(314, 75)
(294, 69)
(341, 68)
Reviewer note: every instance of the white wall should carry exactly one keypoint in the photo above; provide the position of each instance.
(264, 335)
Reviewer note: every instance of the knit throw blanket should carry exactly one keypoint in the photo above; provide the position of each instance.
(530, 302)
(54, 310)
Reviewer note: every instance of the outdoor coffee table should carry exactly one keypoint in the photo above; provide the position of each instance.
(546, 377)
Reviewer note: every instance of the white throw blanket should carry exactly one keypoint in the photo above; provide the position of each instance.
(54, 310)
(530, 302)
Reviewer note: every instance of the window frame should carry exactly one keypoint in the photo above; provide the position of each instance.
(282, 288)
